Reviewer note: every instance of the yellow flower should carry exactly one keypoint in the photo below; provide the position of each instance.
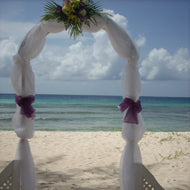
(64, 8)
(77, 20)
(83, 12)
(68, 9)
(72, 1)
(86, 2)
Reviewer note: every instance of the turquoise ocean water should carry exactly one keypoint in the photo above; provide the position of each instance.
(98, 113)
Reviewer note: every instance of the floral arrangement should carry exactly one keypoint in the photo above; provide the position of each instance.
(73, 13)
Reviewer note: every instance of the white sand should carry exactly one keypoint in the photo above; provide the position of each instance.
(91, 160)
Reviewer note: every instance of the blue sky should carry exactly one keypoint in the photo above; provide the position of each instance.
(161, 30)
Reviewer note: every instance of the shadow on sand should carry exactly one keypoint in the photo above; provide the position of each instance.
(77, 178)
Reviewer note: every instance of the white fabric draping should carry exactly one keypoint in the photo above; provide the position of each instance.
(121, 41)
(22, 78)
(28, 177)
(132, 133)
(33, 43)
(24, 85)
(95, 27)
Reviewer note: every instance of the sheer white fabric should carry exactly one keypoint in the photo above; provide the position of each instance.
(23, 126)
(22, 78)
(132, 133)
(24, 85)
(95, 27)
(52, 26)
(27, 172)
(121, 41)
(33, 43)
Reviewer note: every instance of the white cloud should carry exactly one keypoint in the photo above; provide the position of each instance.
(90, 59)
(15, 30)
(120, 19)
(141, 41)
(82, 60)
(8, 49)
(161, 65)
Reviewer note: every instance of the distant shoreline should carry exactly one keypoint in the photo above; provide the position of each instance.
(91, 131)
(13, 94)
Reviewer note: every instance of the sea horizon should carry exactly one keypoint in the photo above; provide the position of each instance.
(56, 112)
(188, 97)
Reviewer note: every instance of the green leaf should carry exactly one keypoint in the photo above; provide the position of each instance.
(93, 8)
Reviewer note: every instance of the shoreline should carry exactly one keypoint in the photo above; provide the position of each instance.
(91, 160)
(88, 131)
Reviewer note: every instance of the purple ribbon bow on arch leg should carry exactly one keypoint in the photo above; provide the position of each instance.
(133, 108)
(26, 105)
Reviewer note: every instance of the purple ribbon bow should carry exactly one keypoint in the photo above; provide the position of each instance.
(133, 108)
(25, 104)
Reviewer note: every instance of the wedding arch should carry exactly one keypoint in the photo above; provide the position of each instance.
(88, 19)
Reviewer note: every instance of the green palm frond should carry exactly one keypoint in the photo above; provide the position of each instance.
(74, 28)
(50, 11)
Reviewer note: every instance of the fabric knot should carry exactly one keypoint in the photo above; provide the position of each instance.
(26, 105)
(19, 60)
(133, 108)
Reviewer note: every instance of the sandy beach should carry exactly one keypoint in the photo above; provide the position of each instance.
(91, 160)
